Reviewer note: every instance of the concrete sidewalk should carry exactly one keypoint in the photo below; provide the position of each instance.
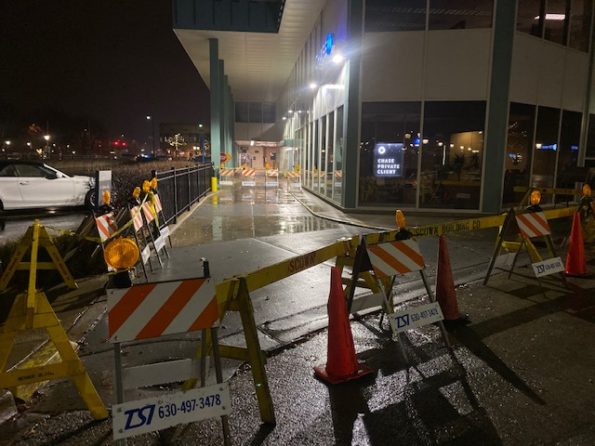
(520, 374)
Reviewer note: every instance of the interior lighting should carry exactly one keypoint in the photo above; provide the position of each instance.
(338, 59)
(313, 85)
(284, 118)
(290, 111)
(462, 147)
(440, 144)
(451, 146)
(425, 141)
(553, 17)
(252, 142)
(538, 145)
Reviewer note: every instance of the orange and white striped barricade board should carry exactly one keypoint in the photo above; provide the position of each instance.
(163, 228)
(154, 310)
(226, 177)
(137, 225)
(388, 260)
(294, 179)
(249, 177)
(106, 226)
(271, 178)
(150, 216)
(516, 234)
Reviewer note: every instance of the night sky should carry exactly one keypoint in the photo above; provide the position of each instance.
(113, 61)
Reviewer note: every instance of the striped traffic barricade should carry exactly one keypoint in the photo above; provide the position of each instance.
(150, 217)
(248, 177)
(517, 233)
(154, 311)
(138, 231)
(378, 266)
(271, 178)
(226, 177)
(294, 179)
(106, 226)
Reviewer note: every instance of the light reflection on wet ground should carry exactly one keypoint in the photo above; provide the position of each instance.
(237, 212)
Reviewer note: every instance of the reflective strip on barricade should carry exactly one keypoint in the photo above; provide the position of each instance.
(398, 257)
(157, 309)
(249, 173)
(227, 172)
(148, 211)
(137, 218)
(273, 173)
(158, 207)
(533, 224)
(293, 174)
(106, 226)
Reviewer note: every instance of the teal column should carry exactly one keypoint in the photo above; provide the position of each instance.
(222, 117)
(497, 112)
(232, 133)
(215, 87)
(352, 107)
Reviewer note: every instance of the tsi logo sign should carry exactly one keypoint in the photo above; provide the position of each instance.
(141, 416)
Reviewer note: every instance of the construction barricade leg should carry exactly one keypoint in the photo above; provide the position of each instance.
(70, 366)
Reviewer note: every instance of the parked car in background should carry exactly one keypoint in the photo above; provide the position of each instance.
(33, 184)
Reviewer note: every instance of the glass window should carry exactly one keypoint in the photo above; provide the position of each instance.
(268, 112)
(460, 14)
(452, 152)
(556, 20)
(330, 155)
(242, 111)
(570, 133)
(338, 161)
(519, 144)
(530, 16)
(322, 172)
(388, 153)
(32, 171)
(590, 153)
(580, 24)
(546, 147)
(8, 171)
(391, 15)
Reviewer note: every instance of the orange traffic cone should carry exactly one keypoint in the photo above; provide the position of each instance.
(445, 289)
(576, 265)
(341, 363)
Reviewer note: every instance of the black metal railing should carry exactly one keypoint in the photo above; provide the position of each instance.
(181, 188)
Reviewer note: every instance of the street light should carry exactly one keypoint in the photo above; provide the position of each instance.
(6, 144)
(152, 137)
(47, 144)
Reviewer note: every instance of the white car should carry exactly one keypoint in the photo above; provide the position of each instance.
(31, 184)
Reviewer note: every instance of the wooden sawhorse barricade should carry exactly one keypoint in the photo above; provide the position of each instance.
(378, 265)
(527, 227)
(32, 311)
(161, 309)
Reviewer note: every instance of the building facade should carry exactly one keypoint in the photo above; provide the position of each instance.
(417, 104)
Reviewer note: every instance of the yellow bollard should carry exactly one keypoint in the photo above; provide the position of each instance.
(213, 184)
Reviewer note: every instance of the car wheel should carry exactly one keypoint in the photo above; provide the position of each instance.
(90, 199)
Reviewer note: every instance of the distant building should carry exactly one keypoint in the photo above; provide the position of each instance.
(184, 141)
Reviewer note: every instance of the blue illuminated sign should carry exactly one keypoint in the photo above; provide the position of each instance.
(329, 43)
(327, 48)
(388, 160)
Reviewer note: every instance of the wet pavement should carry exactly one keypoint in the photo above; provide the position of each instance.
(13, 224)
(521, 373)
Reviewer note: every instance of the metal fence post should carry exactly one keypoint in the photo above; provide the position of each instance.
(189, 188)
(175, 196)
